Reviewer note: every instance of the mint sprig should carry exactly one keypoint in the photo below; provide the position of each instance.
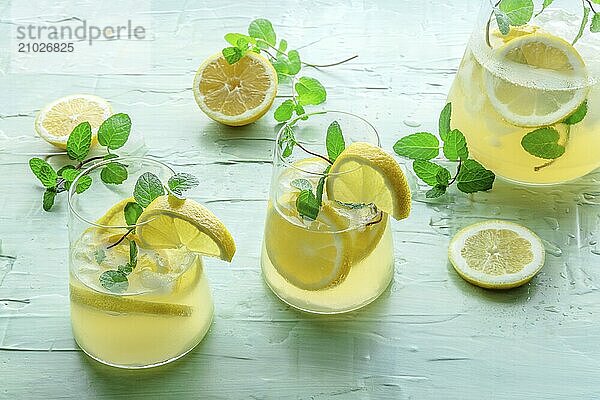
(113, 134)
(148, 187)
(261, 38)
(509, 13)
(423, 147)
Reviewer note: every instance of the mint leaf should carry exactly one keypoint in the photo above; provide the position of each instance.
(48, 199)
(503, 22)
(232, 54)
(147, 188)
(543, 143)
(284, 111)
(455, 146)
(114, 281)
(310, 91)
(473, 177)
(444, 122)
(442, 177)
(110, 156)
(132, 212)
(114, 132)
(233, 38)
(436, 191)
(63, 169)
(286, 141)
(113, 173)
(133, 253)
(80, 142)
(301, 184)
(44, 172)
(262, 29)
(69, 174)
(83, 184)
(321, 186)
(181, 182)
(281, 67)
(334, 141)
(428, 171)
(307, 204)
(282, 46)
(294, 64)
(578, 115)
(418, 146)
(300, 111)
(519, 12)
(100, 256)
(595, 26)
(125, 268)
(584, 21)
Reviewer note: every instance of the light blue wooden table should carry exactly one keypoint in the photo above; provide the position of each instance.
(430, 336)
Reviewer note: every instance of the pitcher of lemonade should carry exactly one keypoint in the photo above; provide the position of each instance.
(526, 94)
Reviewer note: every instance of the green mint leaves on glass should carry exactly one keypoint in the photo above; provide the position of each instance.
(261, 38)
(514, 13)
(112, 134)
(422, 147)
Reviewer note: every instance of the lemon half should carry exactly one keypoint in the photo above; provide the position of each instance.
(547, 80)
(237, 94)
(56, 121)
(496, 254)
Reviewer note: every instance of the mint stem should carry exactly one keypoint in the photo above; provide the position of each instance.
(457, 172)
(118, 242)
(309, 64)
(591, 6)
(487, 26)
(313, 153)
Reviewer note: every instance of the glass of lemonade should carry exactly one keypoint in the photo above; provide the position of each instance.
(165, 308)
(343, 259)
(526, 94)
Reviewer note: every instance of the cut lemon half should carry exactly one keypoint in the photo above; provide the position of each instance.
(309, 259)
(169, 223)
(543, 80)
(496, 254)
(366, 174)
(236, 94)
(56, 121)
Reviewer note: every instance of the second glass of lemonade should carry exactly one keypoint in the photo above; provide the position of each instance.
(163, 308)
(528, 99)
(343, 259)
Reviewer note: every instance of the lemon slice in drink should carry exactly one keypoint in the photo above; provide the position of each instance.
(548, 78)
(366, 174)
(496, 254)
(237, 94)
(310, 259)
(169, 223)
(56, 121)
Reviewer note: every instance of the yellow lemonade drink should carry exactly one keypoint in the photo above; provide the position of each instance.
(513, 97)
(337, 263)
(165, 311)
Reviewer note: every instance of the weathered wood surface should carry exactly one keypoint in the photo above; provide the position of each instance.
(430, 336)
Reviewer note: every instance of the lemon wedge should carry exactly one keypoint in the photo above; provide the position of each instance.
(496, 254)
(56, 121)
(169, 223)
(547, 80)
(237, 94)
(364, 173)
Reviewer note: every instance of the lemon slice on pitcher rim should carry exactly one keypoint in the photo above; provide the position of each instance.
(236, 94)
(496, 254)
(547, 80)
(56, 121)
(169, 223)
(364, 173)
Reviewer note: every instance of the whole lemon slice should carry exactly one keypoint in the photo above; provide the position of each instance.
(364, 173)
(56, 121)
(236, 94)
(547, 80)
(496, 254)
(169, 223)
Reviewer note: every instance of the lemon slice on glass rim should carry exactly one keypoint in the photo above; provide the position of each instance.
(496, 254)
(236, 94)
(55, 122)
(548, 80)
